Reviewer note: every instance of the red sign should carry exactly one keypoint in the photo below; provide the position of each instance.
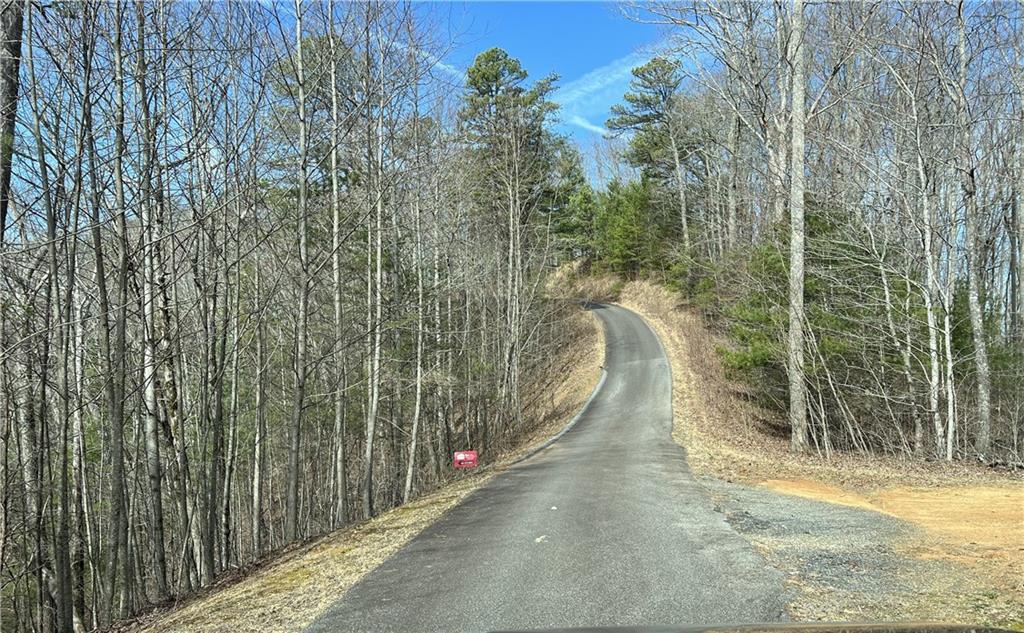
(464, 459)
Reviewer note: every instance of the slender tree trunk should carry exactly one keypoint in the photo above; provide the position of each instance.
(680, 189)
(340, 466)
(149, 364)
(797, 388)
(10, 60)
(1019, 231)
(260, 437)
(777, 128)
(930, 292)
(119, 552)
(229, 558)
(79, 537)
(378, 305)
(733, 184)
(947, 330)
(1014, 302)
(974, 244)
(375, 156)
(301, 334)
(52, 576)
(420, 307)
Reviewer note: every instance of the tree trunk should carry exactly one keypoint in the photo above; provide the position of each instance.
(733, 184)
(149, 329)
(119, 553)
(947, 330)
(795, 366)
(420, 307)
(10, 60)
(259, 458)
(375, 153)
(339, 475)
(301, 334)
(974, 244)
(680, 189)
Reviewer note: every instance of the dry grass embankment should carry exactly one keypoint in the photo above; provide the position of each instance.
(288, 591)
(968, 515)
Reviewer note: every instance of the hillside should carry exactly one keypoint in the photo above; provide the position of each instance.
(286, 591)
(969, 516)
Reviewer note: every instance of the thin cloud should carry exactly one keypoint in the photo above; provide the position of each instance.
(451, 70)
(579, 121)
(591, 95)
(599, 79)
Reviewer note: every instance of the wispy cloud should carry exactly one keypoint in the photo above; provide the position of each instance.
(599, 79)
(590, 96)
(450, 70)
(579, 121)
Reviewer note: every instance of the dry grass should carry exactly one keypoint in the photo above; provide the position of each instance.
(969, 515)
(575, 280)
(727, 435)
(289, 591)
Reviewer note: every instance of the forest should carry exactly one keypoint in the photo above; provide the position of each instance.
(839, 189)
(263, 269)
(264, 266)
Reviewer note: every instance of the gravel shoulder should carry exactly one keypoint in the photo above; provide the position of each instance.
(852, 564)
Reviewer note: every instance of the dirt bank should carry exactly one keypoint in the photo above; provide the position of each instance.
(287, 592)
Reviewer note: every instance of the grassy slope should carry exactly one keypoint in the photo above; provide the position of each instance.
(287, 591)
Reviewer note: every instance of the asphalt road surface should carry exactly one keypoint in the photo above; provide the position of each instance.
(605, 527)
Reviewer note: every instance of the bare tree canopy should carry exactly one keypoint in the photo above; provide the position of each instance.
(264, 268)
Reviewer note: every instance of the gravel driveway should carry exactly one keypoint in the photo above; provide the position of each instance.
(844, 563)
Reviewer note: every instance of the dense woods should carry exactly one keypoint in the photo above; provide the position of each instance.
(263, 268)
(839, 187)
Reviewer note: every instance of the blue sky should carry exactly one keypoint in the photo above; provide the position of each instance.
(590, 45)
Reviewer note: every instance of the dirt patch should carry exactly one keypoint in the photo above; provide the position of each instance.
(820, 491)
(962, 552)
(288, 592)
(981, 527)
(991, 517)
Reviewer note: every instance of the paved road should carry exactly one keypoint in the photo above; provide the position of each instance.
(605, 527)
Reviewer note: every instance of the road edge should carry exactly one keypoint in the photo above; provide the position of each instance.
(568, 427)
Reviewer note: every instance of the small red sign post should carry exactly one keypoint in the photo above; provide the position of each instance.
(464, 459)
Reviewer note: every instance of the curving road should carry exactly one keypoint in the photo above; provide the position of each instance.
(606, 526)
